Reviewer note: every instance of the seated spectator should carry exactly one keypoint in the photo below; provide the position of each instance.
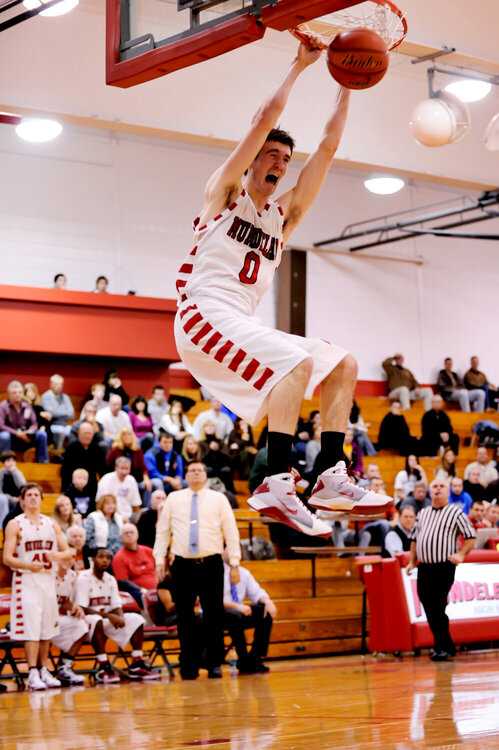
(406, 479)
(76, 537)
(485, 432)
(394, 433)
(398, 539)
(436, 430)
(474, 379)
(60, 281)
(149, 518)
(447, 468)
(312, 450)
(217, 460)
(11, 483)
(418, 499)
(259, 470)
(352, 452)
(83, 454)
(164, 465)
(16, 511)
(487, 469)
(64, 515)
(473, 486)
(240, 616)
(360, 431)
(491, 516)
(166, 613)
(458, 496)
(493, 491)
(32, 396)
(123, 487)
(127, 445)
(18, 426)
(113, 384)
(242, 448)
(208, 435)
(113, 419)
(371, 472)
(157, 406)
(402, 385)
(133, 565)
(141, 422)
(103, 526)
(97, 593)
(176, 423)
(80, 494)
(476, 514)
(73, 626)
(89, 415)
(451, 388)
(97, 392)
(190, 449)
(223, 424)
(59, 406)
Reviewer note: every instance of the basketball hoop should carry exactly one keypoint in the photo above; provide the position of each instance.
(381, 16)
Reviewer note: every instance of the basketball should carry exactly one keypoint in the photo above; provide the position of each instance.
(357, 58)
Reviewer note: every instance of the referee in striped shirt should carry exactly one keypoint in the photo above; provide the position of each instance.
(435, 545)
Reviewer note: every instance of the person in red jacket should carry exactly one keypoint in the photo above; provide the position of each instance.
(133, 565)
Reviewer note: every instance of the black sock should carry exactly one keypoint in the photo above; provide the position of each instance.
(279, 451)
(331, 449)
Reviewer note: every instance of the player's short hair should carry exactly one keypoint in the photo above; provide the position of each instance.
(281, 136)
(31, 486)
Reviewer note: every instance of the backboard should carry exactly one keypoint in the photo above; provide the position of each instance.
(192, 31)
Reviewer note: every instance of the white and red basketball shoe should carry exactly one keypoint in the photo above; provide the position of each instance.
(276, 497)
(334, 491)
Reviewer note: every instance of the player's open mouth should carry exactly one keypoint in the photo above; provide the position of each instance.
(272, 178)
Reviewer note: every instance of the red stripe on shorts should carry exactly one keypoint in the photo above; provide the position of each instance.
(191, 307)
(237, 359)
(225, 349)
(250, 370)
(202, 333)
(192, 322)
(186, 268)
(194, 250)
(212, 341)
(267, 373)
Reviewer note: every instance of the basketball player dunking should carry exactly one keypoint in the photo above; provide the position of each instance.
(253, 369)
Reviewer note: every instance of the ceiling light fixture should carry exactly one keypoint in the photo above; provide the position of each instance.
(470, 89)
(58, 9)
(37, 130)
(384, 185)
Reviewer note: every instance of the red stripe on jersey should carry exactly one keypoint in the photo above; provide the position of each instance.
(250, 369)
(212, 341)
(200, 229)
(191, 307)
(267, 373)
(237, 359)
(194, 250)
(218, 217)
(183, 298)
(225, 349)
(192, 322)
(186, 268)
(280, 209)
(232, 206)
(202, 333)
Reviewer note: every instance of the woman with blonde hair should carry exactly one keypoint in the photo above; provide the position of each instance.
(32, 396)
(103, 526)
(190, 449)
(64, 514)
(127, 445)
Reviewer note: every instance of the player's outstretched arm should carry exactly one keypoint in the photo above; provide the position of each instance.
(225, 183)
(296, 202)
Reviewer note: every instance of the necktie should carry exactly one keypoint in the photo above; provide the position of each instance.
(233, 593)
(194, 530)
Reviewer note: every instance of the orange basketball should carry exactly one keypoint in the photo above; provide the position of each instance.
(357, 58)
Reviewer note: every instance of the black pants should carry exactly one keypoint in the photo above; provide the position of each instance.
(434, 582)
(236, 623)
(203, 577)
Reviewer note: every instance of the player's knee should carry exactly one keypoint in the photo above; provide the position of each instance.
(305, 368)
(347, 368)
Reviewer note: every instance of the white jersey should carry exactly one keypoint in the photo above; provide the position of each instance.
(65, 587)
(34, 541)
(100, 595)
(235, 255)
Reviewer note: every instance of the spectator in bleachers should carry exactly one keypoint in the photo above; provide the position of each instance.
(476, 514)
(371, 472)
(141, 422)
(215, 457)
(360, 431)
(190, 449)
(394, 433)
(459, 496)
(101, 284)
(406, 479)
(223, 423)
(11, 483)
(402, 385)
(97, 392)
(80, 493)
(64, 515)
(473, 486)
(83, 454)
(18, 426)
(157, 406)
(127, 445)
(76, 536)
(417, 499)
(166, 613)
(240, 616)
(133, 565)
(113, 418)
(242, 448)
(451, 388)
(447, 469)
(352, 452)
(491, 515)
(114, 386)
(16, 511)
(121, 484)
(97, 593)
(474, 379)
(493, 491)
(175, 421)
(73, 626)
(165, 466)
(59, 406)
(89, 415)
(436, 430)
(103, 526)
(487, 469)
(60, 281)
(149, 518)
(32, 396)
(259, 470)
(398, 539)
(312, 450)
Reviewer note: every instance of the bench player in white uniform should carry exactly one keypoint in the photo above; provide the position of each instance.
(96, 592)
(253, 369)
(33, 545)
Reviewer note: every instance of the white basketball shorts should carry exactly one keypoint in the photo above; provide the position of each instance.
(239, 360)
(34, 615)
(121, 636)
(71, 629)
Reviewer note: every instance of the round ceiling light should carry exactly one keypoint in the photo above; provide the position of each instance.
(37, 130)
(384, 185)
(55, 10)
(469, 89)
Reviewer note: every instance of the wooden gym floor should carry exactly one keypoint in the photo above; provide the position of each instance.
(339, 702)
